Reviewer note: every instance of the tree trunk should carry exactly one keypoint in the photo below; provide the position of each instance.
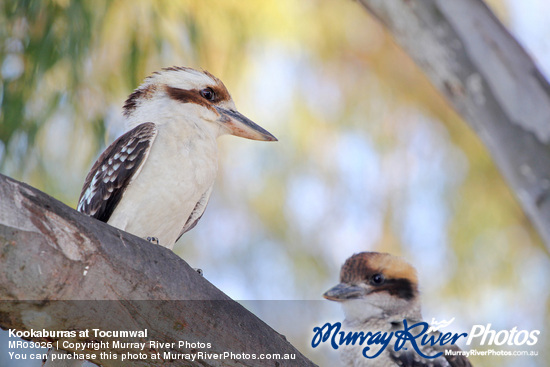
(490, 80)
(52, 255)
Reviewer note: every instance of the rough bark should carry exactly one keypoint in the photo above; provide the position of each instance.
(490, 80)
(50, 254)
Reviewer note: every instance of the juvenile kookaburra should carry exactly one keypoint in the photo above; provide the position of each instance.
(155, 180)
(377, 292)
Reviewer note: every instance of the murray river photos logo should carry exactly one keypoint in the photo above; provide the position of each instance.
(418, 335)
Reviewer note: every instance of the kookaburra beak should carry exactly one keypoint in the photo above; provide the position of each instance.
(343, 291)
(241, 126)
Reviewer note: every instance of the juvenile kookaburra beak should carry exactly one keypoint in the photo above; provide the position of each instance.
(240, 125)
(343, 292)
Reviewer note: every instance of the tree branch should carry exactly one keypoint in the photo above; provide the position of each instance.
(490, 80)
(50, 253)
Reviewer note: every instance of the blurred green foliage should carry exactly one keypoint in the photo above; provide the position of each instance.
(38, 35)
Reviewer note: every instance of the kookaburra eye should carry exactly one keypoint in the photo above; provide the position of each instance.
(377, 279)
(207, 93)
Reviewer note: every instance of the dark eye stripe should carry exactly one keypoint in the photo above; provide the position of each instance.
(188, 96)
(401, 288)
(198, 97)
(139, 94)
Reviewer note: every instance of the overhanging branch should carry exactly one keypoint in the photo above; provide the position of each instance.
(490, 80)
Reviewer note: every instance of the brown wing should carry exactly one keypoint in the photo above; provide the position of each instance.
(113, 171)
(408, 357)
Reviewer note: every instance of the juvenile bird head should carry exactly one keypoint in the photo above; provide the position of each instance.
(376, 285)
(185, 95)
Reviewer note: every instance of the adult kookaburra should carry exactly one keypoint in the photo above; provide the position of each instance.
(155, 180)
(377, 292)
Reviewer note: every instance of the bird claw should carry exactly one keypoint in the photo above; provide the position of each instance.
(199, 271)
(154, 240)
